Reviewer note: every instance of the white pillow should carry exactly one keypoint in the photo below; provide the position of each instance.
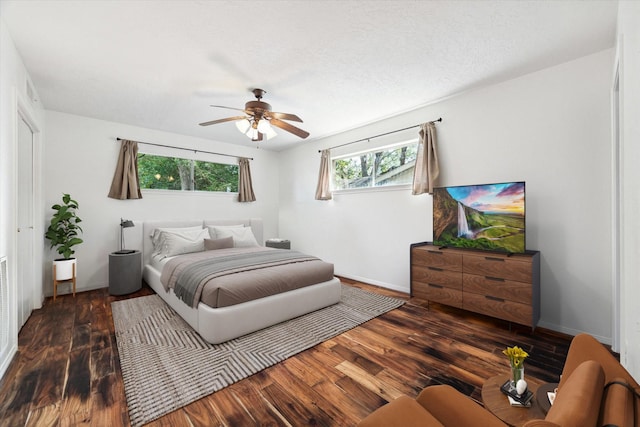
(212, 229)
(171, 244)
(242, 237)
(155, 234)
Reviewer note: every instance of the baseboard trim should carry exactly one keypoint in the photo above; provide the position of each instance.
(7, 360)
(369, 281)
(573, 332)
(542, 324)
(78, 289)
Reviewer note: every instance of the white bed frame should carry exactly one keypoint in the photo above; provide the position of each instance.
(218, 325)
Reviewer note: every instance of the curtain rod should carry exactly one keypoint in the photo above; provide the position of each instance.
(382, 134)
(185, 149)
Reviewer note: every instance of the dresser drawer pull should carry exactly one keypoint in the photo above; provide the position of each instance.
(435, 286)
(435, 268)
(436, 253)
(488, 258)
(494, 298)
(495, 279)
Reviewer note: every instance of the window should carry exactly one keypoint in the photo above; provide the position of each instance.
(391, 165)
(173, 173)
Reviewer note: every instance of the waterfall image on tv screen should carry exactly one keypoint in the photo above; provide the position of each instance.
(489, 217)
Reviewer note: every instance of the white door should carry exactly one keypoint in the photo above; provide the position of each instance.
(25, 264)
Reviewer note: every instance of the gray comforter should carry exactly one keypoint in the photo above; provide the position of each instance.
(232, 276)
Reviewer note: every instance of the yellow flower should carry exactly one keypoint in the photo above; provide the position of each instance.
(516, 355)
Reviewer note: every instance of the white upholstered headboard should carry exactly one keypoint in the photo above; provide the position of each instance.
(149, 226)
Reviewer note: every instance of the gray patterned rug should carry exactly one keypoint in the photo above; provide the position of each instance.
(166, 365)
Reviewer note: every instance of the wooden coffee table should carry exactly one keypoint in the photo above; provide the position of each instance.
(496, 402)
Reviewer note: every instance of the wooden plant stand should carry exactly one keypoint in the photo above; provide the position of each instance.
(56, 282)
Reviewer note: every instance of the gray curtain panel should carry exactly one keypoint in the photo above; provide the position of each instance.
(245, 190)
(427, 170)
(323, 190)
(125, 184)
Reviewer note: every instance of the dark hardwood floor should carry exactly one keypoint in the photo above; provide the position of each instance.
(67, 371)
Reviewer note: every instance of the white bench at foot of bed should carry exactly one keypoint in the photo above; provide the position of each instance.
(218, 325)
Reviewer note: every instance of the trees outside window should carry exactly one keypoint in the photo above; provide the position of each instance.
(173, 173)
(376, 168)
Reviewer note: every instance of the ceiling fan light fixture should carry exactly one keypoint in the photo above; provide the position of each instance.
(243, 125)
(264, 126)
(252, 133)
(270, 133)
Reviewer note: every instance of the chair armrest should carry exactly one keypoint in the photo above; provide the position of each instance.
(577, 404)
(402, 412)
(618, 404)
(453, 408)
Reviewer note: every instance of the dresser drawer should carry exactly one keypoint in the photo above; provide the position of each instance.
(436, 258)
(498, 266)
(502, 309)
(437, 276)
(500, 288)
(437, 293)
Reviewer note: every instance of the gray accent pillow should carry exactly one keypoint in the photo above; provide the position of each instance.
(212, 244)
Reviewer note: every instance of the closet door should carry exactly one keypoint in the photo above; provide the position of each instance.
(25, 239)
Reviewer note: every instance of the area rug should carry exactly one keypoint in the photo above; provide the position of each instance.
(167, 365)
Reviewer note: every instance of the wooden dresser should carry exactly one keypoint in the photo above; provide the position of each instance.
(506, 286)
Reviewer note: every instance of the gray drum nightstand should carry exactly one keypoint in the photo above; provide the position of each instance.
(278, 243)
(125, 272)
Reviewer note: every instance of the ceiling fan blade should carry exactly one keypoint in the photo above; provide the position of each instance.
(228, 119)
(228, 108)
(289, 128)
(284, 116)
(248, 112)
(258, 138)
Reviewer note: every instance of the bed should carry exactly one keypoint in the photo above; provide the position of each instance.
(231, 319)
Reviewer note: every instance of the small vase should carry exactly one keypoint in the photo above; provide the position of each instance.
(516, 375)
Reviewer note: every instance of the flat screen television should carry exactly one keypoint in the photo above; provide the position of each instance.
(488, 217)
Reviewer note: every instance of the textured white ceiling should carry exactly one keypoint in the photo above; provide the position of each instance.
(336, 64)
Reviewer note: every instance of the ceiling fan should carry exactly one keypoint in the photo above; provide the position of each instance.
(259, 119)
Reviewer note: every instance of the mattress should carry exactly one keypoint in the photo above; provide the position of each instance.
(250, 283)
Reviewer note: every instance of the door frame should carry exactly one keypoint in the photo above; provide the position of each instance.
(617, 201)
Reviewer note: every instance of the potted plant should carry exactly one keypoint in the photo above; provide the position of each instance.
(63, 234)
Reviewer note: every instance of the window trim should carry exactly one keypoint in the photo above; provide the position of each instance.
(382, 188)
(199, 193)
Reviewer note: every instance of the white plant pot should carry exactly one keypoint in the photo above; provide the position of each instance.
(64, 268)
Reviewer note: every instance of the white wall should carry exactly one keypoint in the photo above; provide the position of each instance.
(81, 154)
(550, 129)
(629, 61)
(13, 79)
